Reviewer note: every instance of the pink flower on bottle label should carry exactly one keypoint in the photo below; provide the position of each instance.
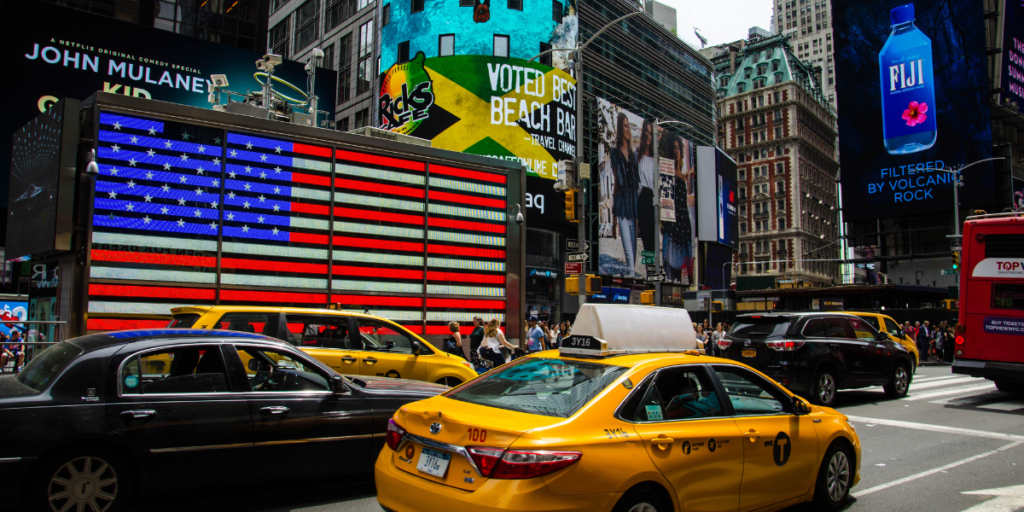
(915, 113)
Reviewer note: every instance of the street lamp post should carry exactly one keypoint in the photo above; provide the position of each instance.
(577, 53)
(957, 183)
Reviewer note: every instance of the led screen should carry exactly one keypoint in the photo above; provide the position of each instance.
(716, 202)
(913, 92)
(1013, 51)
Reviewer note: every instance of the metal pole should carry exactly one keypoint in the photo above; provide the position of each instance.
(956, 203)
(581, 215)
(657, 215)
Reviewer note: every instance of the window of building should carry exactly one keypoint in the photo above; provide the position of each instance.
(280, 38)
(739, 140)
(328, 60)
(343, 125)
(403, 51)
(556, 11)
(742, 157)
(345, 69)
(446, 45)
(780, 168)
(340, 10)
(743, 228)
(743, 209)
(780, 187)
(277, 4)
(307, 22)
(743, 174)
(515, 5)
(742, 193)
(741, 87)
(781, 205)
(417, 6)
(364, 75)
(500, 46)
(546, 58)
(778, 133)
(385, 15)
(782, 223)
(778, 99)
(748, 72)
(762, 69)
(362, 118)
(366, 38)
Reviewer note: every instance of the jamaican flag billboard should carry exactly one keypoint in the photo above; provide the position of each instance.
(492, 106)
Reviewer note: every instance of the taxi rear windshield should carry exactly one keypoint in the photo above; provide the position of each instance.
(543, 386)
(764, 327)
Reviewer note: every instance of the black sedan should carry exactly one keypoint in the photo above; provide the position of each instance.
(816, 354)
(92, 421)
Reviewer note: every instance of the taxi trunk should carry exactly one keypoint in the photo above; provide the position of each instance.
(460, 444)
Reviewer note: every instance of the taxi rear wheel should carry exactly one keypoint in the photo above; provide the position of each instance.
(834, 478)
(899, 382)
(641, 500)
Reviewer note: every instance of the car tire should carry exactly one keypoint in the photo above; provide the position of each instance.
(824, 388)
(1010, 387)
(835, 476)
(99, 479)
(899, 382)
(641, 500)
(449, 381)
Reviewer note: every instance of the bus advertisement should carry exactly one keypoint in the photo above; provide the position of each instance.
(990, 333)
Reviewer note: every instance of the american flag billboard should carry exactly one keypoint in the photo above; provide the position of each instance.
(193, 215)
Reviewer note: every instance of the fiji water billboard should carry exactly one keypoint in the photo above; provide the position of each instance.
(916, 106)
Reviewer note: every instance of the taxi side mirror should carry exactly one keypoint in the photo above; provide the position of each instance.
(416, 348)
(800, 407)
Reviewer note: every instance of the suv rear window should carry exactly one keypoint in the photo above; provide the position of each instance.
(763, 327)
(45, 367)
(183, 321)
(544, 386)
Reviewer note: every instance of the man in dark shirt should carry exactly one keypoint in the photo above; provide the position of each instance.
(476, 337)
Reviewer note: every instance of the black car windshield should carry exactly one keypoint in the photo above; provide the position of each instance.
(544, 386)
(759, 327)
(45, 367)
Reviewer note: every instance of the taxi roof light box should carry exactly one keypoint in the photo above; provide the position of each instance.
(616, 329)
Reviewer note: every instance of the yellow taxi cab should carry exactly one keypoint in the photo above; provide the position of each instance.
(349, 342)
(624, 416)
(885, 323)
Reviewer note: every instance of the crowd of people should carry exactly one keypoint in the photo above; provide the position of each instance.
(486, 347)
(12, 350)
(933, 343)
(707, 338)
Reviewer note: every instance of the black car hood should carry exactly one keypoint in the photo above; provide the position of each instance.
(11, 388)
(402, 386)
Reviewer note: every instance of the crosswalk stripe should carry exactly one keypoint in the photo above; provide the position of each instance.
(930, 379)
(1013, 405)
(953, 391)
(915, 386)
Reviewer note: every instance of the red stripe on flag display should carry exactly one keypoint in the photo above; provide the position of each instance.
(380, 188)
(267, 296)
(380, 160)
(308, 238)
(120, 324)
(370, 243)
(314, 209)
(466, 278)
(273, 266)
(311, 150)
(310, 179)
(463, 199)
(467, 174)
(345, 270)
(163, 292)
(465, 304)
(376, 300)
(353, 213)
(154, 258)
(438, 222)
(466, 251)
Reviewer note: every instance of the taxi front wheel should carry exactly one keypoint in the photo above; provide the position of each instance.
(641, 500)
(834, 478)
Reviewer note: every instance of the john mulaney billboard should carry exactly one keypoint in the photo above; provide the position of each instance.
(913, 93)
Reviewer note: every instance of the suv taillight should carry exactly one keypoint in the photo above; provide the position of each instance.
(784, 346)
(724, 344)
(394, 435)
(520, 464)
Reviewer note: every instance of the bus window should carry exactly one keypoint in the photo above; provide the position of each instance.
(1007, 296)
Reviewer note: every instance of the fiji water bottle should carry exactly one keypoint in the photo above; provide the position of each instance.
(908, 88)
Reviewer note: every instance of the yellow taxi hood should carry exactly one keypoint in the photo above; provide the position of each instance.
(466, 424)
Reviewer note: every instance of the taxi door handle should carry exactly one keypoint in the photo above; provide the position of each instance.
(349, 359)
(662, 442)
(753, 435)
(369, 360)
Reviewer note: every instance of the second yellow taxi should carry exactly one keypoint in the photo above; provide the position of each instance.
(624, 417)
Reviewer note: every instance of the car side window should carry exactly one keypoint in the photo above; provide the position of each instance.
(377, 335)
(181, 370)
(892, 327)
(872, 321)
(750, 394)
(323, 331)
(815, 328)
(863, 330)
(838, 328)
(257, 323)
(275, 371)
(680, 394)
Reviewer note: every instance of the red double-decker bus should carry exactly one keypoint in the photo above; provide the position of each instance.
(990, 334)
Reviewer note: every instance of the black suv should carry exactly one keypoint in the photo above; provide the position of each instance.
(815, 354)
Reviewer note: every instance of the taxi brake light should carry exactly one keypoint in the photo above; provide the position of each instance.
(394, 435)
(520, 464)
(784, 346)
(485, 458)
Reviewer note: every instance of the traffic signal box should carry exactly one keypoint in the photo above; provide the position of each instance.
(572, 285)
(570, 206)
(647, 298)
(593, 284)
(956, 260)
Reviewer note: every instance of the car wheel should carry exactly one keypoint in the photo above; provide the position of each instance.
(641, 500)
(450, 382)
(1010, 387)
(824, 390)
(834, 478)
(87, 480)
(899, 382)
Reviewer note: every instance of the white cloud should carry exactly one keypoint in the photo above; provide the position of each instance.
(720, 21)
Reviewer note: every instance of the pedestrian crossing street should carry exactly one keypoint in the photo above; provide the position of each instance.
(960, 391)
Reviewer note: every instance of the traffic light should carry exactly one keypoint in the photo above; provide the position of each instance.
(570, 206)
(956, 260)
(593, 284)
(647, 298)
(572, 285)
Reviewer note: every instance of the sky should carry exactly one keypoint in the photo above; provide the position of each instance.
(720, 21)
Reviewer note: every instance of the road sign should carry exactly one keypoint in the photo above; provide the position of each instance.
(574, 268)
(648, 257)
(948, 271)
(652, 269)
(655, 278)
(577, 256)
(956, 244)
(572, 244)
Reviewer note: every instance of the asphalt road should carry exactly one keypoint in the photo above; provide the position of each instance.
(931, 451)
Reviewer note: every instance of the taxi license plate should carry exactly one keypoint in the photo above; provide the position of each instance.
(750, 352)
(433, 463)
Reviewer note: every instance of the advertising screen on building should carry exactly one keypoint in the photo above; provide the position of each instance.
(1013, 52)
(190, 215)
(913, 89)
(716, 200)
(73, 54)
(1018, 195)
(503, 108)
(629, 176)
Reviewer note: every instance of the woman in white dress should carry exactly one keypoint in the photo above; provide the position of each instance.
(494, 339)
